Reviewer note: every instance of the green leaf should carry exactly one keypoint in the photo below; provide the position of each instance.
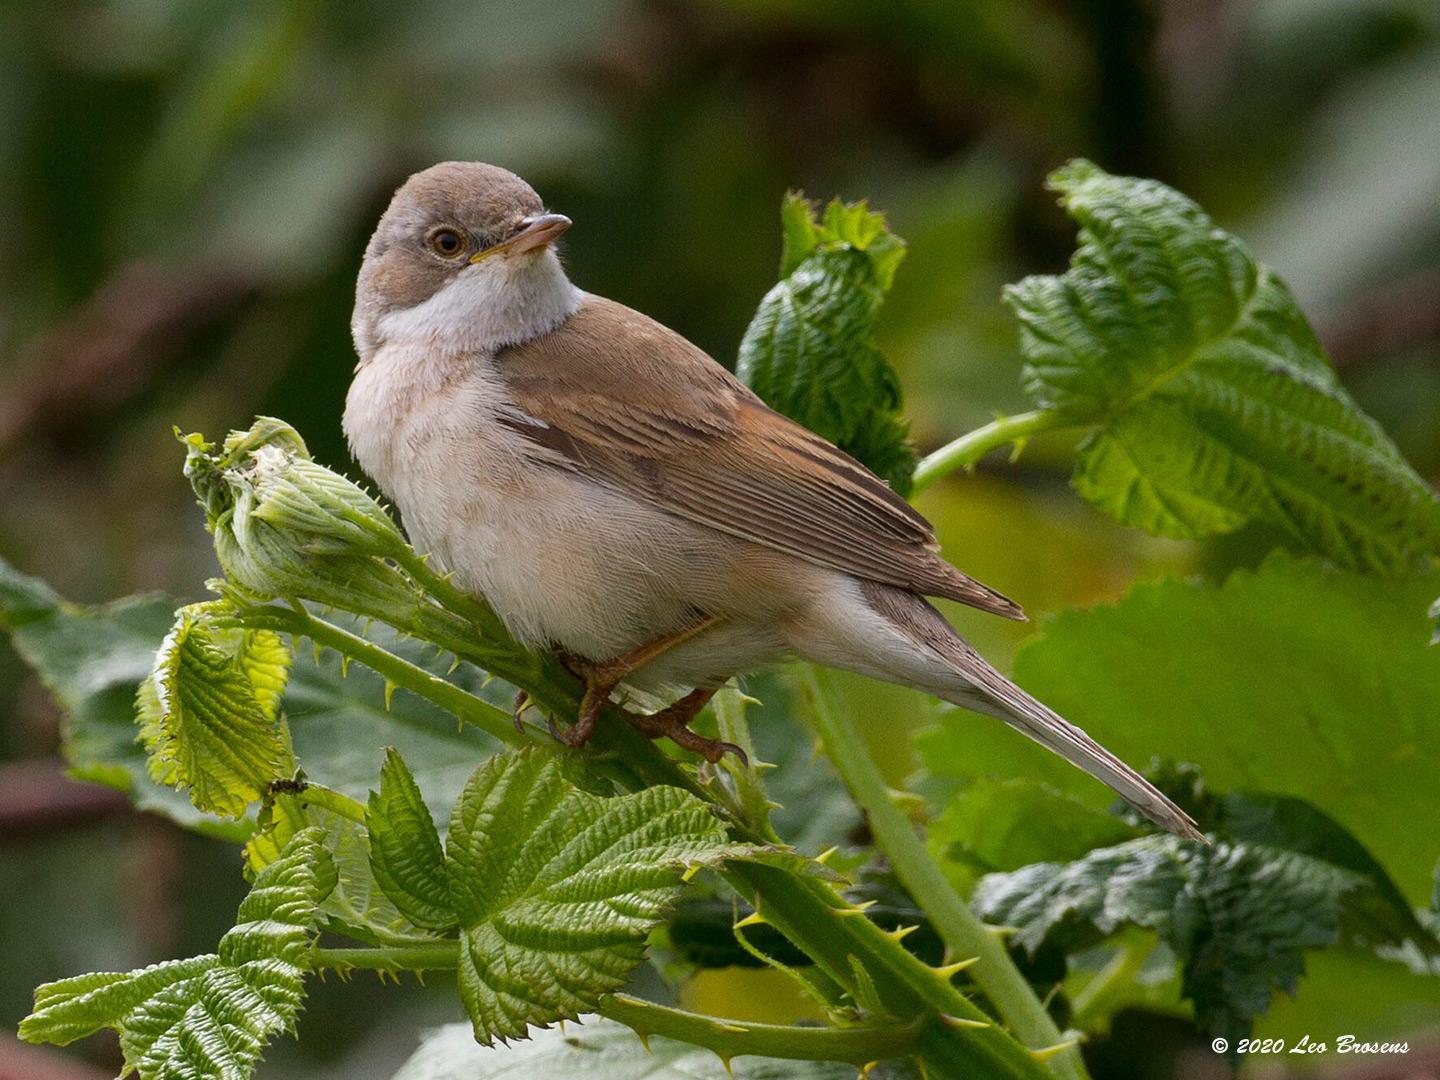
(405, 853)
(356, 907)
(556, 888)
(1295, 679)
(810, 352)
(1215, 403)
(1238, 916)
(598, 1050)
(209, 713)
(92, 659)
(1006, 824)
(208, 1016)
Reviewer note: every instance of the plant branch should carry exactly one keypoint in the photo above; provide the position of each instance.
(963, 933)
(972, 446)
(858, 1045)
(492, 719)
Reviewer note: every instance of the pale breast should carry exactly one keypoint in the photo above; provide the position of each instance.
(565, 561)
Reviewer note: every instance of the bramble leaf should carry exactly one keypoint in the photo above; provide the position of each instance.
(1006, 824)
(556, 889)
(210, 711)
(1281, 878)
(92, 659)
(810, 352)
(1215, 403)
(1295, 678)
(405, 853)
(208, 1016)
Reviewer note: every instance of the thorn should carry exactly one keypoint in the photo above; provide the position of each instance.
(866, 1069)
(691, 871)
(855, 909)
(389, 693)
(763, 766)
(900, 933)
(455, 664)
(922, 1069)
(726, 1062)
(962, 1022)
(318, 651)
(753, 919)
(825, 855)
(420, 976)
(344, 665)
(644, 1037)
(1002, 932)
(949, 971)
(1045, 1053)
(732, 1027)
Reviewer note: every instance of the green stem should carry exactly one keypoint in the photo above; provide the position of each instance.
(441, 956)
(337, 802)
(1117, 977)
(971, 447)
(466, 706)
(963, 933)
(858, 1045)
(730, 705)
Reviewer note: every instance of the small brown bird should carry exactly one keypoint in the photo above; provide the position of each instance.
(617, 495)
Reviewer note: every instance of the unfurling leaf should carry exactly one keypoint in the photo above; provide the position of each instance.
(1215, 403)
(210, 711)
(810, 349)
(556, 889)
(208, 1016)
(405, 853)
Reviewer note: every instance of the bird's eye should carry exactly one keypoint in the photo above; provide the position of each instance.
(447, 243)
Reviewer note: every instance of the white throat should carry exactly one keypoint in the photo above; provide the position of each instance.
(505, 300)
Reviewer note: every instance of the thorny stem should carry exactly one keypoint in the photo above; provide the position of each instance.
(858, 1044)
(972, 446)
(467, 707)
(965, 936)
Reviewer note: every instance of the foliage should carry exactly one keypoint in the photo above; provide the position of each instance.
(557, 869)
(1280, 879)
(209, 1016)
(810, 350)
(1216, 405)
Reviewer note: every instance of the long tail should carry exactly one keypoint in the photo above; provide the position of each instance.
(998, 696)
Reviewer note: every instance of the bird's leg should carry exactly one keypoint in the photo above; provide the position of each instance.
(673, 723)
(602, 678)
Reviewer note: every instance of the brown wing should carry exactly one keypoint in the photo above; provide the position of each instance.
(629, 402)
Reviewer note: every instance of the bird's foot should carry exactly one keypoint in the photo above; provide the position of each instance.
(673, 723)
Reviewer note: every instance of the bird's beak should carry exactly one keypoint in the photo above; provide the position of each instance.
(535, 232)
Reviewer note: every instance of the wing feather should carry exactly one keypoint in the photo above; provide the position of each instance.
(702, 446)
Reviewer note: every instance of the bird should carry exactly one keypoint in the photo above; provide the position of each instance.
(620, 498)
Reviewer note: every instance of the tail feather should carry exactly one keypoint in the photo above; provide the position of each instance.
(1047, 727)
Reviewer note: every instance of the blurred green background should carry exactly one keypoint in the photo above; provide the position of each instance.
(187, 186)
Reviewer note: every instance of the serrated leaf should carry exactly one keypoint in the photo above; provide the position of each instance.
(209, 713)
(1215, 403)
(92, 659)
(405, 853)
(356, 906)
(1006, 824)
(208, 1016)
(556, 889)
(599, 1049)
(1238, 915)
(810, 350)
(1296, 679)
